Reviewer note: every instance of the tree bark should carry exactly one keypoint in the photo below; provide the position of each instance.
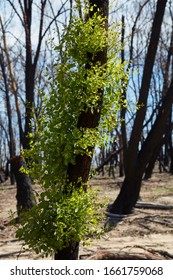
(25, 196)
(151, 163)
(12, 148)
(135, 164)
(69, 253)
(132, 151)
(123, 115)
(130, 190)
(86, 119)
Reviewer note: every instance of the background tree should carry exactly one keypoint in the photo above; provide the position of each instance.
(24, 51)
(140, 124)
(21, 66)
(131, 184)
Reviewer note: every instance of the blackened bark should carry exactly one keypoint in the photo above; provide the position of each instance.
(3, 175)
(147, 73)
(25, 196)
(171, 164)
(123, 115)
(30, 65)
(167, 142)
(87, 119)
(128, 195)
(130, 190)
(12, 148)
(151, 164)
(29, 72)
(69, 253)
(136, 163)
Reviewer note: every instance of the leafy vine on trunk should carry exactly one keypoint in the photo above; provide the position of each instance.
(80, 109)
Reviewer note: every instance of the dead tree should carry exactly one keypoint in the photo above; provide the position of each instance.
(136, 161)
(25, 196)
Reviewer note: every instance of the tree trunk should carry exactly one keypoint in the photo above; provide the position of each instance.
(69, 253)
(29, 74)
(123, 116)
(134, 166)
(25, 196)
(147, 73)
(12, 148)
(171, 164)
(87, 119)
(131, 186)
(128, 195)
(31, 64)
(151, 164)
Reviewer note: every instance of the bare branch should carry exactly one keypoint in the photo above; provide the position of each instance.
(14, 8)
(43, 4)
(54, 19)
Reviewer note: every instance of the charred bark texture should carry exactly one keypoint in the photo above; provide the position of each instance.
(25, 196)
(136, 162)
(30, 63)
(3, 175)
(144, 91)
(87, 119)
(69, 253)
(129, 193)
(123, 114)
(11, 141)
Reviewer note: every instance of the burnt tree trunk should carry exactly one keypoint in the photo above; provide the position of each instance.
(69, 253)
(130, 190)
(123, 115)
(171, 164)
(168, 127)
(25, 196)
(12, 148)
(151, 163)
(135, 166)
(31, 62)
(87, 119)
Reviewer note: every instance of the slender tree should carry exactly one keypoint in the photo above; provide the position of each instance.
(129, 193)
(25, 15)
(4, 70)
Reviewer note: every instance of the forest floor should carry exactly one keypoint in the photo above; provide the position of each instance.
(146, 230)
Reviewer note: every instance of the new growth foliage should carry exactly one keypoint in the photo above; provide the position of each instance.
(66, 212)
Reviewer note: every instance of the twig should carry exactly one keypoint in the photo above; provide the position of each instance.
(150, 205)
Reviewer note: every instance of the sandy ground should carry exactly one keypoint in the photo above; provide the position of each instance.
(144, 230)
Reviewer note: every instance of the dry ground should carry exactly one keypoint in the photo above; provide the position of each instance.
(144, 230)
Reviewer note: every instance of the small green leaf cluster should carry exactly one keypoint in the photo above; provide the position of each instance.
(79, 84)
(58, 218)
(85, 37)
